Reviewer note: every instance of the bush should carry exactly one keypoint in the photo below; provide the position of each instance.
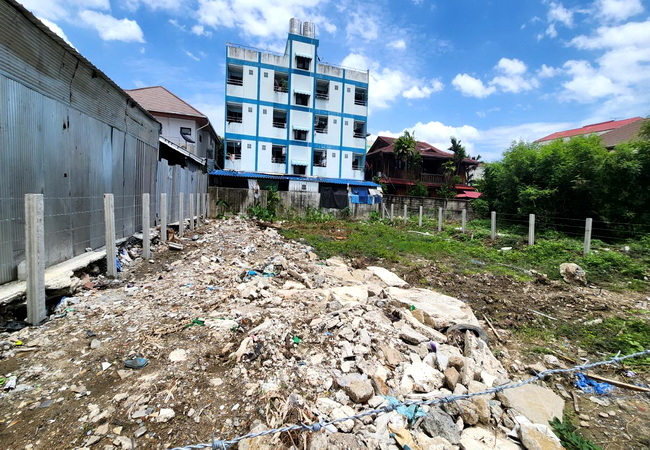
(419, 190)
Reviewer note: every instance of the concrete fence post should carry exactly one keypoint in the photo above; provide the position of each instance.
(191, 205)
(35, 257)
(439, 219)
(531, 229)
(181, 215)
(146, 227)
(420, 217)
(163, 218)
(463, 220)
(392, 211)
(405, 218)
(206, 203)
(493, 225)
(202, 200)
(109, 230)
(383, 210)
(199, 210)
(588, 225)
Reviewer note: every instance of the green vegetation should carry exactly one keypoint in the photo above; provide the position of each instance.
(269, 211)
(569, 437)
(419, 190)
(562, 182)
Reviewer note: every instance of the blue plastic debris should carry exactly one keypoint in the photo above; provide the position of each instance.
(411, 412)
(592, 387)
(117, 264)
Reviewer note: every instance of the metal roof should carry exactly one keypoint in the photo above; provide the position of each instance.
(268, 176)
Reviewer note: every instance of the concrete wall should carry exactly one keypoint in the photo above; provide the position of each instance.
(453, 208)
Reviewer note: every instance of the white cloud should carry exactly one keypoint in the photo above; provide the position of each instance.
(558, 13)
(112, 29)
(168, 5)
(425, 91)
(511, 67)
(618, 10)
(587, 84)
(259, 18)
(62, 9)
(398, 44)
(472, 87)
(200, 30)
(57, 30)
(192, 56)
(548, 71)
(362, 26)
(629, 34)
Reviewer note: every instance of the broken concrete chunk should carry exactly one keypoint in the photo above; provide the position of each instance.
(537, 403)
(388, 277)
(439, 423)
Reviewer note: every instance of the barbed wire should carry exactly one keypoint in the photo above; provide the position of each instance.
(318, 426)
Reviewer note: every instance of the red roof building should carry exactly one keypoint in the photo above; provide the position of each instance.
(599, 129)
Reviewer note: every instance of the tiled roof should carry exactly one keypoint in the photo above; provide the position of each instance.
(590, 129)
(622, 134)
(158, 99)
(384, 144)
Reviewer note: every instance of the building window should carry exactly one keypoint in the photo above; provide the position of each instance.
(235, 75)
(250, 109)
(323, 89)
(278, 154)
(234, 112)
(320, 158)
(359, 129)
(186, 133)
(335, 121)
(299, 135)
(303, 62)
(357, 162)
(249, 145)
(346, 123)
(266, 74)
(264, 111)
(336, 87)
(333, 155)
(263, 147)
(233, 150)
(360, 96)
(279, 118)
(302, 99)
(280, 82)
(299, 169)
(250, 71)
(320, 124)
(348, 89)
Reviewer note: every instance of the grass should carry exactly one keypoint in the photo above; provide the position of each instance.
(474, 251)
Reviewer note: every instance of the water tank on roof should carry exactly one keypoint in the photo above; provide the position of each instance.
(308, 30)
(294, 26)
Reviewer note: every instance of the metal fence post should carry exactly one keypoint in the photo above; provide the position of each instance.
(588, 226)
(163, 218)
(181, 215)
(493, 225)
(463, 220)
(420, 217)
(531, 229)
(109, 230)
(35, 258)
(439, 218)
(146, 227)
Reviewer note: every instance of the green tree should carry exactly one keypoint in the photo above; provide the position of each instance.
(405, 150)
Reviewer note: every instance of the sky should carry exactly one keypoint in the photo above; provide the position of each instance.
(488, 72)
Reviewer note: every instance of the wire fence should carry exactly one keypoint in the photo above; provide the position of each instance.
(392, 406)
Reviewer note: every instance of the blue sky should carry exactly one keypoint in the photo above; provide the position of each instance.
(486, 71)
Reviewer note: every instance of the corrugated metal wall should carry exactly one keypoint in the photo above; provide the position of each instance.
(174, 180)
(69, 133)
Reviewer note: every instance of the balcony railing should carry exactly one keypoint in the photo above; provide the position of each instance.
(322, 95)
(280, 89)
(279, 160)
(322, 130)
(361, 102)
(236, 81)
(359, 134)
(432, 178)
(237, 119)
(279, 124)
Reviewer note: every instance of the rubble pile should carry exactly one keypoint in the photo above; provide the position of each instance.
(241, 331)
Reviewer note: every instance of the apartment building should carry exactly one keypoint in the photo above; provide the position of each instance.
(290, 116)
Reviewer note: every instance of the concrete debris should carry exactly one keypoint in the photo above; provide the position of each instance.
(573, 274)
(244, 331)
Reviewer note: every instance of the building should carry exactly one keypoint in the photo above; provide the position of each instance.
(70, 133)
(612, 132)
(400, 176)
(292, 117)
(187, 136)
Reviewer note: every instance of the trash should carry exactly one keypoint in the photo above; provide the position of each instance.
(197, 321)
(411, 412)
(296, 340)
(463, 327)
(10, 383)
(412, 308)
(592, 387)
(15, 325)
(404, 438)
(3, 380)
(117, 264)
(136, 363)
(18, 343)
(477, 262)
(175, 246)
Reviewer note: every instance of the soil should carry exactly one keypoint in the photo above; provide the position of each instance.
(63, 378)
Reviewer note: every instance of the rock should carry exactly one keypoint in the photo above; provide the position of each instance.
(95, 343)
(139, 432)
(350, 295)
(388, 277)
(392, 356)
(336, 441)
(573, 274)
(479, 438)
(410, 336)
(435, 443)
(451, 378)
(537, 403)
(439, 423)
(536, 368)
(165, 415)
(339, 413)
(101, 430)
(420, 377)
(178, 355)
(432, 308)
(359, 391)
(536, 436)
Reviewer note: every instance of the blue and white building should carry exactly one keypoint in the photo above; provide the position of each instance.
(292, 116)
